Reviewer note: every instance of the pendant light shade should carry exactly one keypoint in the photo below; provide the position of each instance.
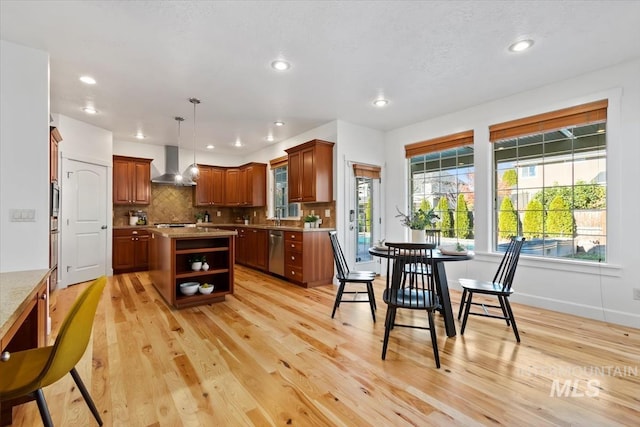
(194, 172)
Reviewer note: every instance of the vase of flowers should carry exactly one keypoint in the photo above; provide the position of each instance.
(417, 221)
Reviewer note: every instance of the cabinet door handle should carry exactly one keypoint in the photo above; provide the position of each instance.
(5, 356)
(43, 297)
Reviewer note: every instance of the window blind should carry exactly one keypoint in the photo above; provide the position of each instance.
(438, 144)
(592, 112)
(366, 171)
(278, 162)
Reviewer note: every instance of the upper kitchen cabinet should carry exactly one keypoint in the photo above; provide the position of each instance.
(209, 190)
(246, 185)
(310, 169)
(131, 181)
(253, 177)
(234, 191)
(54, 140)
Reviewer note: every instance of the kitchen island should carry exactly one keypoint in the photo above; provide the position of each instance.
(170, 252)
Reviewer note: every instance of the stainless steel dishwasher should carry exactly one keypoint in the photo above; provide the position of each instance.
(276, 252)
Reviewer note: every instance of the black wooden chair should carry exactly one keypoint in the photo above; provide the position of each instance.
(433, 236)
(499, 287)
(344, 276)
(409, 286)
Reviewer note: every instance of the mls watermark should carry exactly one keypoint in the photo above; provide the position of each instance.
(578, 381)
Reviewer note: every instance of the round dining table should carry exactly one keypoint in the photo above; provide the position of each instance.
(442, 286)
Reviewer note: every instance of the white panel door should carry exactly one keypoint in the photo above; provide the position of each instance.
(84, 221)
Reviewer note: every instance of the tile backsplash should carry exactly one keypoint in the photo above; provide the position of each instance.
(170, 203)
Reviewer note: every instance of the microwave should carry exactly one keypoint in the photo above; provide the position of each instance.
(55, 199)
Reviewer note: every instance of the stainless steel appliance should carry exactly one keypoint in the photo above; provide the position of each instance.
(55, 199)
(276, 252)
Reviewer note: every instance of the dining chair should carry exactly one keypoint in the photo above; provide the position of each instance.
(410, 288)
(27, 372)
(500, 287)
(432, 235)
(344, 276)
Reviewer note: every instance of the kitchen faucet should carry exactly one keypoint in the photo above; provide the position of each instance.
(277, 218)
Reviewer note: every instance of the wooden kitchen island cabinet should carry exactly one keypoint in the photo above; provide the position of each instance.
(169, 266)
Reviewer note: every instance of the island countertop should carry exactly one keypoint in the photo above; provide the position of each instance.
(186, 232)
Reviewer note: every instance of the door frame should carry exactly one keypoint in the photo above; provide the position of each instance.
(378, 231)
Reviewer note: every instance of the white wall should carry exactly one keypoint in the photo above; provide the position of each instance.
(356, 144)
(24, 156)
(602, 291)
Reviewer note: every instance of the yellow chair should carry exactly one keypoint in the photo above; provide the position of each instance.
(27, 372)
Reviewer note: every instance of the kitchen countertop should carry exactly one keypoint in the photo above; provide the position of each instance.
(17, 288)
(213, 225)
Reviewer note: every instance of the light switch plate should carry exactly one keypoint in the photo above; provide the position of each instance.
(327, 213)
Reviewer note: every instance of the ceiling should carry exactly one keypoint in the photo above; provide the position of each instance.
(427, 58)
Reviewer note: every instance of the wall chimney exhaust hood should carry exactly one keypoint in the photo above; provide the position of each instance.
(172, 169)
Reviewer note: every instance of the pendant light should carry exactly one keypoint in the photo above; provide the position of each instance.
(194, 171)
(178, 177)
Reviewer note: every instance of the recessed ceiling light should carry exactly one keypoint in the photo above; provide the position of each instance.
(278, 123)
(269, 138)
(521, 45)
(381, 102)
(140, 135)
(280, 65)
(237, 143)
(89, 110)
(209, 147)
(88, 80)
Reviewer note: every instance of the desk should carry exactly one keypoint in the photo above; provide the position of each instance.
(441, 283)
(23, 318)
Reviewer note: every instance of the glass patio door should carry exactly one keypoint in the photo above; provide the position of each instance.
(363, 222)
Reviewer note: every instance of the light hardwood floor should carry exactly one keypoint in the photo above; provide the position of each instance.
(272, 355)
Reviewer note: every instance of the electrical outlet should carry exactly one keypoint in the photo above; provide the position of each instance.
(255, 213)
(327, 213)
(218, 213)
(636, 294)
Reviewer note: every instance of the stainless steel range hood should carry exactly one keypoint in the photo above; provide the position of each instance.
(172, 169)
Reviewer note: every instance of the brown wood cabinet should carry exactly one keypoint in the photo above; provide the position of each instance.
(234, 192)
(131, 181)
(210, 189)
(308, 260)
(244, 186)
(130, 250)
(54, 152)
(170, 266)
(310, 172)
(257, 248)
(254, 179)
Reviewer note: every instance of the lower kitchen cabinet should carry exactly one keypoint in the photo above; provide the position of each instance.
(130, 250)
(252, 247)
(308, 260)
(257, 248)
